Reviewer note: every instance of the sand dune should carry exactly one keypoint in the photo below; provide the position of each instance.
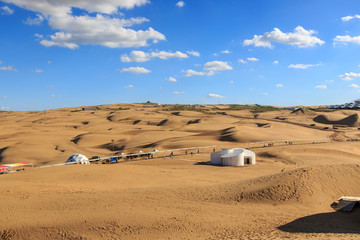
(351, 121)
(312, 185)
(286, 195)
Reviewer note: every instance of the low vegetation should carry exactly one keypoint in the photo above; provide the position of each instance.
(180, 107)
(252, 108)
(324, 109)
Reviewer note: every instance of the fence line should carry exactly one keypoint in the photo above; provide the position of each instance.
(141, 155)
(288, 142)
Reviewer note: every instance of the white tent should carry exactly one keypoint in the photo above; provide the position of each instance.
(77, 159)
(233, 157)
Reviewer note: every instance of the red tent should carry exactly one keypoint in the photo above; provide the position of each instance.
(3, 169)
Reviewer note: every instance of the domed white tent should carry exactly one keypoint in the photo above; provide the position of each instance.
(233, 157)
(78, 159)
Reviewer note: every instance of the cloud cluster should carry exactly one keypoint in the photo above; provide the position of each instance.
(300, 37)
(136, 70)
(249, 59)
(100, 29)
(140, 56)
(349, 76)
(303, 66)
(210, 68)
(321, 86)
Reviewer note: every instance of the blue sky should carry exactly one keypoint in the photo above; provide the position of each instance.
(57, 53)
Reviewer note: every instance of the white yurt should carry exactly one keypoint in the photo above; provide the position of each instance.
(233, 157)
(78, 159)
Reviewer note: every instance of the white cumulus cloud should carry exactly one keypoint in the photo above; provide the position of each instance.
(180, 4)
(217, 66)
(275, 62)
(5, 10)
(242, 61)
(354, 85)
(37, 70)
(321, 86)
(129, 86)
(300, 37)
(303, 66)
(140, 56)
(252, 59)
(348, 18)
(226, 52)
(136, 70)
(190, 72)
(135, 56)
(213, 95)
(194, 53)
(347, 39)
(176, 92)
(171, 79)
(166, 55)
(38, 35)
(349, 76)
(279, 85)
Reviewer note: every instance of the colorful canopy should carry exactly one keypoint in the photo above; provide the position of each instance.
(14, 165)
(3, 169)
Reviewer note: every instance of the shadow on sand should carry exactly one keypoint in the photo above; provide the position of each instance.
(334, 222)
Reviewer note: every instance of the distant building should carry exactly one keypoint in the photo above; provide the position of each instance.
(89, 108)
(233, 157)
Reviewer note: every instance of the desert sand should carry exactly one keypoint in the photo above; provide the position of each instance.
(287, 194)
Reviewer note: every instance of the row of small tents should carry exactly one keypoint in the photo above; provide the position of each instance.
(82, 159)
(13, 167)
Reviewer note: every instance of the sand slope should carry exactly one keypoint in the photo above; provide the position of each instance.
(286, 195)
